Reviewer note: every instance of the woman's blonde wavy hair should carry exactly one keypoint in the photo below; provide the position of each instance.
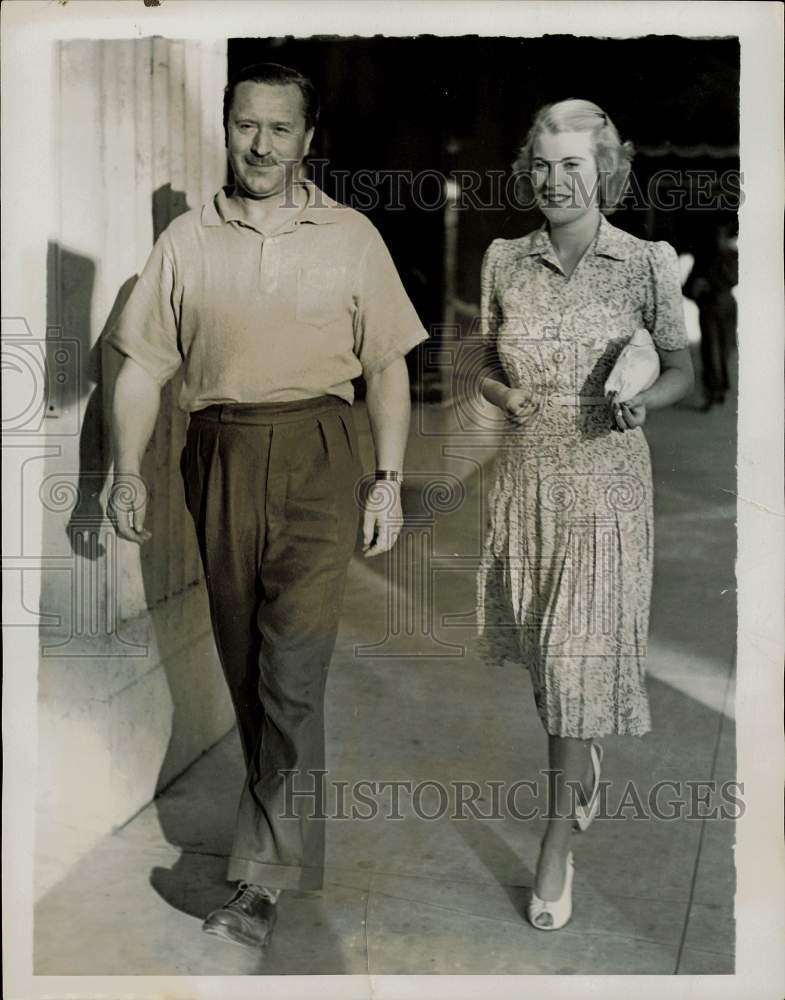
(613, 156)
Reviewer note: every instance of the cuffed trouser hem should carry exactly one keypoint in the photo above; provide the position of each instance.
(273, 876)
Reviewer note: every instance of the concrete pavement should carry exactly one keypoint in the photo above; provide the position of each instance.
(408, 700)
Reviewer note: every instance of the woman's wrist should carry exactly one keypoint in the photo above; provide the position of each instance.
(495, 392)
(670, 387)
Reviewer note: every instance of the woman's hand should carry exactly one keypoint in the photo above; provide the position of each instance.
(627, 416)
(516, 404)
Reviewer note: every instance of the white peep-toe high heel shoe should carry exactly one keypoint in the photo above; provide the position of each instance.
(585, 814)
(551, 915)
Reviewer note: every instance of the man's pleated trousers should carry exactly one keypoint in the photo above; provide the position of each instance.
(271, 489)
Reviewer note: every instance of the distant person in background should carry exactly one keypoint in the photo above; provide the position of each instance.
(710, 285)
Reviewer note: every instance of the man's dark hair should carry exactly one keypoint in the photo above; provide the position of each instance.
(279, 76)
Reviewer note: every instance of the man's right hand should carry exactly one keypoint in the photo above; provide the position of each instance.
(127, 506)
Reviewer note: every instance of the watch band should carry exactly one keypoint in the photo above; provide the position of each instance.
(388, 475)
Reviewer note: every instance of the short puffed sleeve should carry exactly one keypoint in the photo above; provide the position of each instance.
(664, 309)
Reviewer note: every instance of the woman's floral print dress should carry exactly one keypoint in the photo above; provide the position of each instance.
(565, 580)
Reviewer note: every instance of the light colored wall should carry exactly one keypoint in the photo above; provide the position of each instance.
(130, 690)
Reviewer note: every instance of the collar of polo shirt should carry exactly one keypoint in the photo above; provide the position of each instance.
(319, 209)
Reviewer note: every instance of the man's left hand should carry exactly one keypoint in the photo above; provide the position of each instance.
(383, 518)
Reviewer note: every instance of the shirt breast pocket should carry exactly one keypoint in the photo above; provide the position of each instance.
(320, 295)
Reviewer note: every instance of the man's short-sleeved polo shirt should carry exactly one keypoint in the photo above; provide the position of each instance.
(267, 318)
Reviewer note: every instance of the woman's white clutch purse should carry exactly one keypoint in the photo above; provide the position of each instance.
(637, 368)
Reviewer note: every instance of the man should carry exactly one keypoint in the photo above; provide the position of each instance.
(714, 275)
(273, 297)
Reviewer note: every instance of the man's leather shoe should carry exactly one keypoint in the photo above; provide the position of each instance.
(247, 918)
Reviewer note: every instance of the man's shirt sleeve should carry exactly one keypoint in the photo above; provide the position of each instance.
(386, 325)
(147, 328)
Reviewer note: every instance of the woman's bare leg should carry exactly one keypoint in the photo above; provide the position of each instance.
(570, 757)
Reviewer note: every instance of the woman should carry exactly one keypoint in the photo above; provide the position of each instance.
(565, 581)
